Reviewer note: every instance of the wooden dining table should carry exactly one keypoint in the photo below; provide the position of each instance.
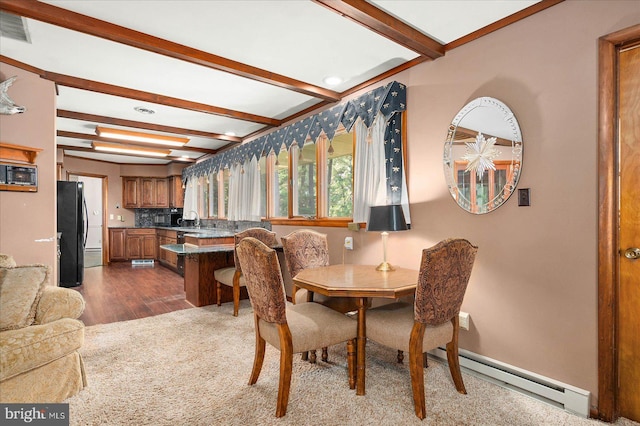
(361, 282)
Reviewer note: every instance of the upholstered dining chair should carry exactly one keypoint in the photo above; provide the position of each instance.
(289, 328)
(433, 319)
(232, 276)
(304, 249)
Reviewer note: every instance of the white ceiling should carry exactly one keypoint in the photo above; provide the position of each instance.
(295, 39)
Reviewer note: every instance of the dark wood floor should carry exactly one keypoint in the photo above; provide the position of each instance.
(120, 292)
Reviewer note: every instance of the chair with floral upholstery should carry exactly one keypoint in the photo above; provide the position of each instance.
(288, 328)
(433, 319)
(232, 276)
(304, 249)
(40, 336)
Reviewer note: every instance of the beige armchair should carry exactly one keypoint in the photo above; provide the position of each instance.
(40, 336)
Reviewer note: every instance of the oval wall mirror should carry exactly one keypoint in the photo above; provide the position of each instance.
(483, 155)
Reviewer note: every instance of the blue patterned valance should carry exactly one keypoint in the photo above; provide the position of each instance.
(387, 99)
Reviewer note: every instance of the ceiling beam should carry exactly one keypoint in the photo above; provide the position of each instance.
(124, 92)
(145, 126)
(508, 20)
(91, 137)
(381, 22)
(87, 25)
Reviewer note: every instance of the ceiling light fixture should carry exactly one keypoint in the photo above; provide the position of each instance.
(332, 80)
(126, 135)
(230, 133)
(124, 149)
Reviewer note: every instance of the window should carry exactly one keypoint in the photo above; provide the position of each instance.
(320, 176)
(262, 163)
(213, 195)
(304, 179)
(279, 184)
(339, 177)
(225, 191)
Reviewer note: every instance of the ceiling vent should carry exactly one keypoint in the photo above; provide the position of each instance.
(13, 26)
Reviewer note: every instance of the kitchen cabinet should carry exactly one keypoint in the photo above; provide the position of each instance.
(141, 243)
(117, 245)
(165, 257)
(130, 193)
(145, 192)
(176, 192)
(128, 244)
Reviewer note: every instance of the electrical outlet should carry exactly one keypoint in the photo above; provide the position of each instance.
(464, 320)
(348, 243)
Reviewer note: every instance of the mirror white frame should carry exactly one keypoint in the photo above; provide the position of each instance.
(483, 155)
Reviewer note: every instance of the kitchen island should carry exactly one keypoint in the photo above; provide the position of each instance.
(204, 252)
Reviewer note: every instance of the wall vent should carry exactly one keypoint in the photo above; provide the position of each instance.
(142, 262)
(13, 26)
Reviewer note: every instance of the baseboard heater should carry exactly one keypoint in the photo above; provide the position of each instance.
(559, 394)
(142, 262)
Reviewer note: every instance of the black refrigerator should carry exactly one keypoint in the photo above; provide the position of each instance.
(72, 223)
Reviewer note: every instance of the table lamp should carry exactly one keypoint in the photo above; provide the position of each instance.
(386, 218)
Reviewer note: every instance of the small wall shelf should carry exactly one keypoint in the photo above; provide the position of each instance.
(18, 153)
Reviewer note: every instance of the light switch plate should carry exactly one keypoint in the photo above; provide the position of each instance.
(524, 197)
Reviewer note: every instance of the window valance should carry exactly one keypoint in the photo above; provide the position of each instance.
(386, 100)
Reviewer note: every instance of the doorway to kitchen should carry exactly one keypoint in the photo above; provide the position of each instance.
(95, 194)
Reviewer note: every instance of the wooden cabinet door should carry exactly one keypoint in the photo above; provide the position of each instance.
(133, 244)
(162, 192)
(149, 244)
(117, 245)
(130, 192)
(148, 192)
(176, 198)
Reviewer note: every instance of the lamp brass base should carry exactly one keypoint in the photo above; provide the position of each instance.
(385, 267)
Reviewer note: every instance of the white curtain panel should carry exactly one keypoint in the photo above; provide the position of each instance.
(244, 191)
(190, 198)
(369, 181)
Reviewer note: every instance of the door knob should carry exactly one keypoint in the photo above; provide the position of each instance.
(632, 253)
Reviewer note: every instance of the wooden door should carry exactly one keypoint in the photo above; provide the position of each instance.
(162, 192)
(149, 245)
(629, 266)
(148, 192)
(130, 193)
(134, 246)
(117, 245)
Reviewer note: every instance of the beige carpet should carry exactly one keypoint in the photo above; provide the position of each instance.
(191, 367)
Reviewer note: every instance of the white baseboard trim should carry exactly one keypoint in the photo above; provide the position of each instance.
(570, 398)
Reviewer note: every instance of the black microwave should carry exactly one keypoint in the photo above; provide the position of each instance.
(21, 177)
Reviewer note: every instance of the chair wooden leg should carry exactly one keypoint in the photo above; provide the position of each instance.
(400, 356)
(454, 360)
(286, 367)
(312, 356)
(236, 299)
(426, 360)
(259, 355)
(305, 356)
(416, 360)
(325, 354)
(351, 362)
(218, 293)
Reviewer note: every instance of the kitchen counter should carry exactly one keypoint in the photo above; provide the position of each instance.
(183, 249)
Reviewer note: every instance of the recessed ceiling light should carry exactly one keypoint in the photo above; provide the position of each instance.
(143, 110)
(230, 133)
(332, 80)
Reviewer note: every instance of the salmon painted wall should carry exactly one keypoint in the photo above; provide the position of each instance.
(28, 220)
(533, 291)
